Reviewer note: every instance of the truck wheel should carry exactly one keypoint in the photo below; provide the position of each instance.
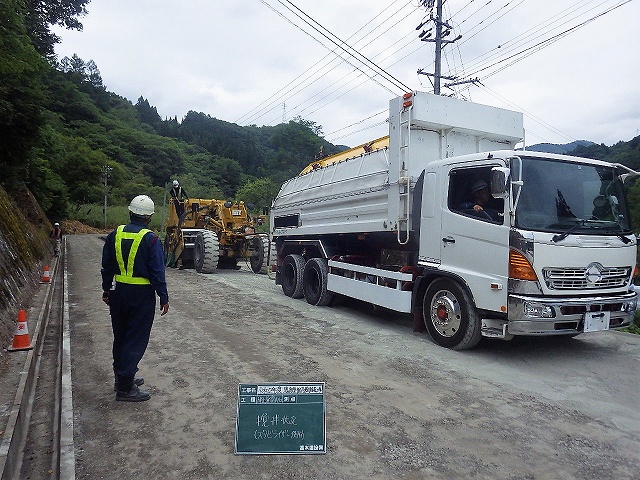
(260, 253)
(314, 282)
(450, 316)
(206, 252)
(291, 272)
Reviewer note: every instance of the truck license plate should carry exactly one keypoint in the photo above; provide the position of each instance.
(596, 321)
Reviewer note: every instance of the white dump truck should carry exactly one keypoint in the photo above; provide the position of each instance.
(445, 220)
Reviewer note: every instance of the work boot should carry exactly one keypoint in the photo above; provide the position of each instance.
(133, 395)
(136, 381)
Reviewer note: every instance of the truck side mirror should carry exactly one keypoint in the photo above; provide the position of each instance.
(500, 182)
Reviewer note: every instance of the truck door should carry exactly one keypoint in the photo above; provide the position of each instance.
(474, 240)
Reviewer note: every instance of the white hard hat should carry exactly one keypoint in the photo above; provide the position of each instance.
(142, 205)
(175, 183)
(56, 224)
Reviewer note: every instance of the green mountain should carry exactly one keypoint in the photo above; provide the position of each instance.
(89, 136)
(560, 149)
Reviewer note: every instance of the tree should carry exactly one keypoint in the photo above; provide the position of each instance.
(260, 192)
(17, 55)
(42, 14)
(228, 174)
(92, 75)
(21, 71)
(147, 113)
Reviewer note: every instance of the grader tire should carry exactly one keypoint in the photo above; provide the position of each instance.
(207, 252)
(260, 253)
(169, 257)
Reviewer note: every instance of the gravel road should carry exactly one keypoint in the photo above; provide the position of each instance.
(397, 406)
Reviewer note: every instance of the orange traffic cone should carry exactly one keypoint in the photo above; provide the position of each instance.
(45, 276)
(21, 338)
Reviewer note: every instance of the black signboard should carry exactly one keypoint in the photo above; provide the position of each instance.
(280, 418)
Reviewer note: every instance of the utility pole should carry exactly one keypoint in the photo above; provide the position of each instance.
(438, 60)
(443, 29)
(106, 170)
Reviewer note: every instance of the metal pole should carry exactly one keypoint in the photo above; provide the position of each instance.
(438, 59)
(106, 169)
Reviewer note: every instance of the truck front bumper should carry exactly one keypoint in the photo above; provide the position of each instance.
(564, 316)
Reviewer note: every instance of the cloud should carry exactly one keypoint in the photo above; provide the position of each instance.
(245, 62)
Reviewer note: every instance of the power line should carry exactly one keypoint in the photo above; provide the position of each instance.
(491, 62)
(342, 46)
(536, 32)
(540, 45)
(318, 69)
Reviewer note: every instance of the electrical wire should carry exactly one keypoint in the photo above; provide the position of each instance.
(344, 47)
(512, 59)
(319, 69)
(491, 62)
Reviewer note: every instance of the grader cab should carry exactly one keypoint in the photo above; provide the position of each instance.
(211, 234)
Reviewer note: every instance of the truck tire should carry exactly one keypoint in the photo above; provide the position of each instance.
(206, 252)
(314, 282)
(291, 272)
(450, 315)
(260, 253)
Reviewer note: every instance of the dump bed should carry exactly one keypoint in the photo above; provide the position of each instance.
(372, 191)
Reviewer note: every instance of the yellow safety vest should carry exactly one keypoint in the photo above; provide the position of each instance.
(126, 272)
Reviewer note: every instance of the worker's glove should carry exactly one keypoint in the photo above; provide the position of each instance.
(105, 297)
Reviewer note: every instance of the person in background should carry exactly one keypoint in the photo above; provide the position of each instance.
(56, 237)
(178, 196)
(132, 274)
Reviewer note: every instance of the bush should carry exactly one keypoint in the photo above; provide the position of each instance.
(93, 215)
(635, 326)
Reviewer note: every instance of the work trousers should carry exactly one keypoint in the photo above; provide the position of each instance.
(132, 309)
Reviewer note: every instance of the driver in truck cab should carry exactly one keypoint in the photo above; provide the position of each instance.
(480, 199)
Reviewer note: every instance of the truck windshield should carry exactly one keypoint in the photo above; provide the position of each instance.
(568, 197)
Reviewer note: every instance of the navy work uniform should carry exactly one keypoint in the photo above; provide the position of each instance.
(133, 261)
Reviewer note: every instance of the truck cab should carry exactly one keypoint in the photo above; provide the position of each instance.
(556, 253)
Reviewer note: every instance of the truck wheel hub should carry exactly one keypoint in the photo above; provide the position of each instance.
(445, 314)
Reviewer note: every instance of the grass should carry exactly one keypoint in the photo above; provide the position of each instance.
(635, 326)
(93, 216)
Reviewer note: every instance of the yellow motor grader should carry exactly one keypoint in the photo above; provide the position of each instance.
(211, 234)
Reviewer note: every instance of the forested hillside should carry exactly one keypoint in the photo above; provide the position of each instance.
(69, 140)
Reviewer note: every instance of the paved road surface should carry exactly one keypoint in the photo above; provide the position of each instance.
(398, 406)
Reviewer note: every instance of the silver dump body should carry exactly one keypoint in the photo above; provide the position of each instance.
(372, 192)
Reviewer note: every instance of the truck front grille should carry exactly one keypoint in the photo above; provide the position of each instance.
(579, 279)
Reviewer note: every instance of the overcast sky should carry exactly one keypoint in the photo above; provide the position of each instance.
(251, 62)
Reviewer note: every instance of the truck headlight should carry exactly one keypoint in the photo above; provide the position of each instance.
(538, 310)
(631, 305)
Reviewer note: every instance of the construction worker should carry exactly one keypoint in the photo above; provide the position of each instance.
(132, 273)
(56, 237)
(178, 195)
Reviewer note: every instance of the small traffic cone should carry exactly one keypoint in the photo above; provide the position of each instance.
(45, 276)
(21, 338)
